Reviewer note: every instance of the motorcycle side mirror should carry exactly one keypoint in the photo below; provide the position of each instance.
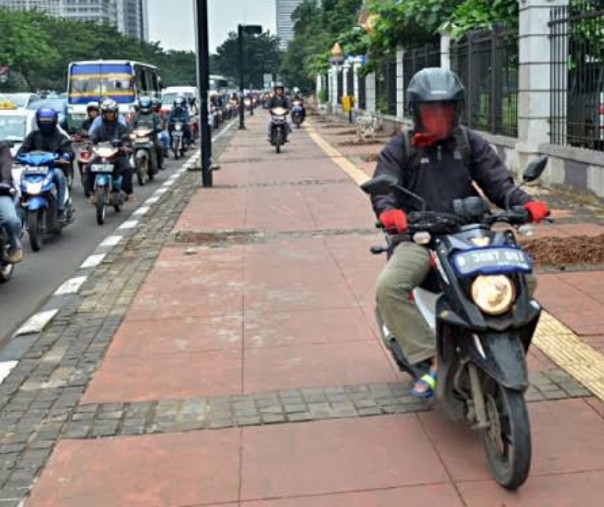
(535, 169)
(380, 185)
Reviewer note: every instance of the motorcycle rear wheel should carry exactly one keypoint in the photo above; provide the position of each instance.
(35, 229)
(507, 442)
(101, 208)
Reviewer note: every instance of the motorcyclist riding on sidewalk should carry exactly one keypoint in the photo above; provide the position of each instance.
(279, 99)
(9, 219)
(50, 138)
(111, 129)
(440, 161)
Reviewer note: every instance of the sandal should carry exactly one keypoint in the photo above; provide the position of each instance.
(428, 380)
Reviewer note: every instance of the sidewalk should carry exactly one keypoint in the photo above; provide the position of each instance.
(248, 369)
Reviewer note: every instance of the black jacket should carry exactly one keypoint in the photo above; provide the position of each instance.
(440, 176)
(278, 101)
(6, 164)
(54, 142)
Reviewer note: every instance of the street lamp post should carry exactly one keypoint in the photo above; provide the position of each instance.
(335, 61)
(203, 77)
(251, 30)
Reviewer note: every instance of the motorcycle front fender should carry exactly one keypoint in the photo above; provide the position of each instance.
(102, 180)
(141, 154)
(37, 202)
(500, 356)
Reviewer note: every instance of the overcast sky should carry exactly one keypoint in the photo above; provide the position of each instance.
(171, 21)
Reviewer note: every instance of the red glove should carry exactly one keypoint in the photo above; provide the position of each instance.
(538, 210)
(394, 219)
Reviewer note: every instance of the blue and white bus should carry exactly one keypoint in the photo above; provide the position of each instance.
(121, 80)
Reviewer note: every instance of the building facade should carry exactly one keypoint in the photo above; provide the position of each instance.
(285, 25)
(129, 16)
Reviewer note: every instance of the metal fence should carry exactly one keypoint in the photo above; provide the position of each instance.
(386, 88)
(415, 60)
(577, 75)
(487, 63)
(362, 92)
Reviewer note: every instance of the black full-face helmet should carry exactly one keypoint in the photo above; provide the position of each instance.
(434, 84)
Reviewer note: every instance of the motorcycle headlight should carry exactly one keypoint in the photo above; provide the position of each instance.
(493, 294)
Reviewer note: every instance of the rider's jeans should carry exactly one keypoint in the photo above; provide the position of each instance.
(10, 221)
(406, 269)
(288, 127)
(61, 184)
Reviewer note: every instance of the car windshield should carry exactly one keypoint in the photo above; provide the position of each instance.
(13, 127)
(169, 98)
(19, 99)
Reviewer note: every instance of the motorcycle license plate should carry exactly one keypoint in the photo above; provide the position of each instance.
(488, 261)
(101, 168)
(43, 169)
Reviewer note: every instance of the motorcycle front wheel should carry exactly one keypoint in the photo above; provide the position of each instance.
(507, 440)
(6, 272)
(142, 171)
(101, 205)
(35, 228)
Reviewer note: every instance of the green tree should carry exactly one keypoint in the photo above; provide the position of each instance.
(260, 55)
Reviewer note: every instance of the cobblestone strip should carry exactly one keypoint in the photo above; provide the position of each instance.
(40, 394)
(362, 400)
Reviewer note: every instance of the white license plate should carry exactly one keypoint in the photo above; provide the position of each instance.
(101, 168)
(43, 169)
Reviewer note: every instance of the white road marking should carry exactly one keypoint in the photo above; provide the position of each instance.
(92, 261)
(152, 200)
(111, 241)
(129, 224)
(5, 368)
(168, 183)
(71, 286)
(36, 323)
(161, 191)
(141, 211)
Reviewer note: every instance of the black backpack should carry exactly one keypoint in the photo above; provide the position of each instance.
(413, 154)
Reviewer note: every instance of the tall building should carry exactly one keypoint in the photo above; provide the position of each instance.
(129, 16)
(53, 7)
(285, 25)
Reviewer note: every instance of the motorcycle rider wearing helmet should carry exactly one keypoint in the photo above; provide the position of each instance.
(439, 176)
(110, 130)
(164, 138)
(96, 123)
(50, 138)
(180, 113)
(146, 117)
(278, 100)
(298, 97)
(9, 220)
(92, 112)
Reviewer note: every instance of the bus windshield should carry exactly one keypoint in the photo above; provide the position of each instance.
(94, 81)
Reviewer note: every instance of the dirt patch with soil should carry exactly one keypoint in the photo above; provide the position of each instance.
(567, 251)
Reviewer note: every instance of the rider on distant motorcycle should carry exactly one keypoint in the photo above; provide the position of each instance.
(92, 113)
(146, 117)
(50, 138)
(298, 98)
(180, 113)
(110, 130)
(9, 220)
(278, 100)
(164, 137)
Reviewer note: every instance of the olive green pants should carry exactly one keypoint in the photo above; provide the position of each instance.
(406, 269)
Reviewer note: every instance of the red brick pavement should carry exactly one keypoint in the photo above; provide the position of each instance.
(296, 312)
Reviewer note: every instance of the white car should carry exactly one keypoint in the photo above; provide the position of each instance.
(15, 124)
(19, 100)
